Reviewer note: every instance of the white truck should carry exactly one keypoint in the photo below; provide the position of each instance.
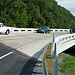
(4, 29)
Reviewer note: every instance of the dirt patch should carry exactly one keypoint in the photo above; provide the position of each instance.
(49, 61)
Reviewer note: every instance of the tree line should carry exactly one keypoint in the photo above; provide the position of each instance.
(35, 13)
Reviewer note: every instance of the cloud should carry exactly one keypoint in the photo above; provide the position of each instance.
(68, 4)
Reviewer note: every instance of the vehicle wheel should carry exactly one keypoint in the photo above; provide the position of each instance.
(49, 31)
(7, 32)
(44, 32)
(37, 31)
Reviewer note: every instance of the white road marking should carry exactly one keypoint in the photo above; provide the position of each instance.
(23, 46)
(6, 55)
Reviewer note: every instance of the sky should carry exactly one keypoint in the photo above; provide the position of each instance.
(68, 4)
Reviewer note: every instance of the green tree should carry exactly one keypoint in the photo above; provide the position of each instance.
(35, 13)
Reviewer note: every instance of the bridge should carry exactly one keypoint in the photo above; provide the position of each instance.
(21, 51)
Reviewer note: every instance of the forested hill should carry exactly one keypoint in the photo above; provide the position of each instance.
(35, 13)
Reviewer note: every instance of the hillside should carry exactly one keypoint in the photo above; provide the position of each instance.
(35, 13)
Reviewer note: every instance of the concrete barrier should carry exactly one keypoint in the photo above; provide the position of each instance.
(23, 29)
(35, 29)
(64, 42)
(56, 30)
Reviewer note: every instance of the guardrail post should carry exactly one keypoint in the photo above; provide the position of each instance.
(53, 48)
(53, 38)
(55, 66)
(53, 57)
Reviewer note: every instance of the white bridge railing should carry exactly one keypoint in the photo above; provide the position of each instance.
(23, 29)
(64, 42)
(35, 29)
(59, 44)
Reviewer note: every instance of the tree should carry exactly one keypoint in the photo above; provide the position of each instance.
(14, 13)
(35, 13)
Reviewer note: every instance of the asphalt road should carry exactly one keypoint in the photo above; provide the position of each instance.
(18, 63)
(17, 52)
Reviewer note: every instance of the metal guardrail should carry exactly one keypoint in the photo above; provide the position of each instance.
(53, 57)
(45, 72)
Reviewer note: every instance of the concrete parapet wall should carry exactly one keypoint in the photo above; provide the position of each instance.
(64, 42)
(55, 30)
(23, 29)
(35, 29)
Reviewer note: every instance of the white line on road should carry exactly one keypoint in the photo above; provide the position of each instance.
(23, 46)
(5, 55)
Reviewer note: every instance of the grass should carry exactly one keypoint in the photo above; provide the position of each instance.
(68, 65)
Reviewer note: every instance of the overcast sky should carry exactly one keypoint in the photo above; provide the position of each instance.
(68, 4)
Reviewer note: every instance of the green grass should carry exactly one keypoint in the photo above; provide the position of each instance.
(68, 65)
